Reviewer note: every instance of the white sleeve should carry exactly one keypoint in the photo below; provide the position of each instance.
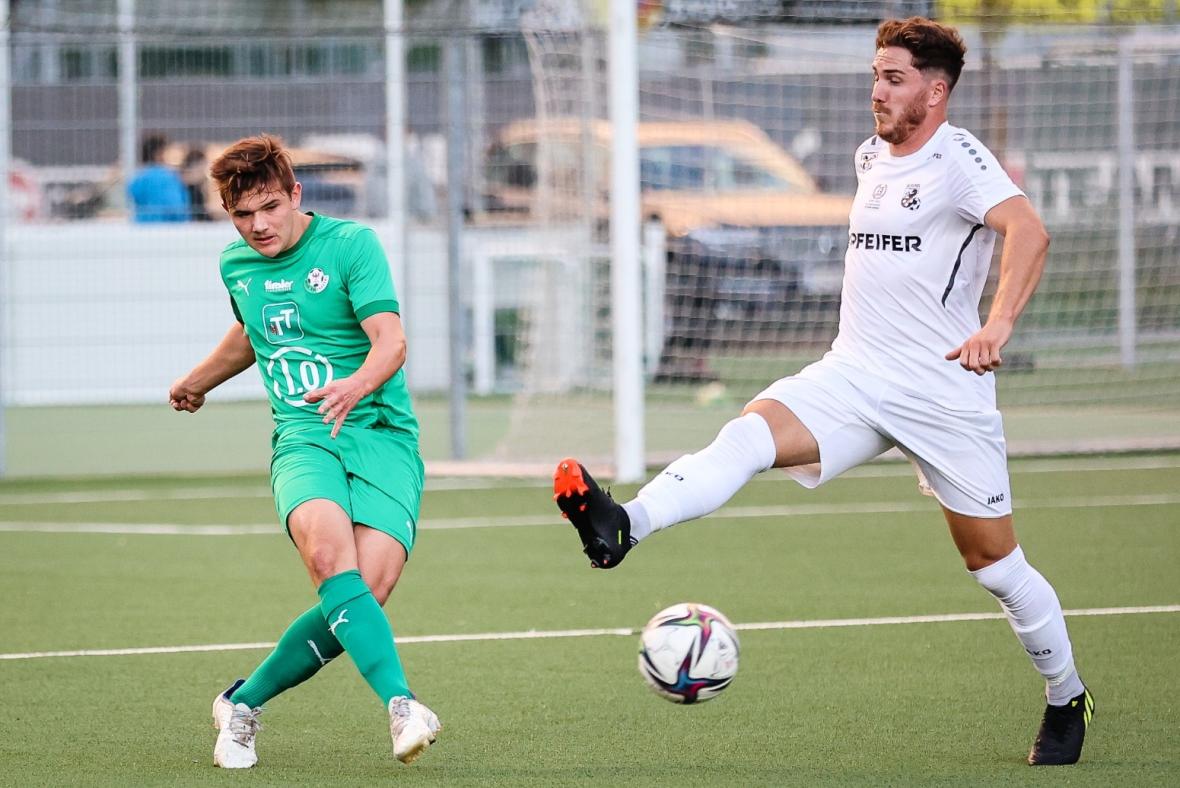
(979, 183)
(862, 160)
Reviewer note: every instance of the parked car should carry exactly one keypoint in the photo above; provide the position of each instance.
(752, 240)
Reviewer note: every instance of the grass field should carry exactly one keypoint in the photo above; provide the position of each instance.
(127, 563)
(232, 437)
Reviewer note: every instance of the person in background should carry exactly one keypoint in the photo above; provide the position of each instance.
(157, 193)
(195, 173)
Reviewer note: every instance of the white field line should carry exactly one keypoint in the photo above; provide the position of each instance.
(871, 470)
(618, 631)
(736, 512)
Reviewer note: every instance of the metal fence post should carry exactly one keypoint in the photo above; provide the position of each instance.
(128, 91)
(1126, 191)
(455, 64)
(5, 156)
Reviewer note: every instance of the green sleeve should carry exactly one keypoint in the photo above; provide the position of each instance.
(370, 286)
(234, 306)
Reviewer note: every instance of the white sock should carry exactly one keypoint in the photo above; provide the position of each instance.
(1035, 615)
(697, 484)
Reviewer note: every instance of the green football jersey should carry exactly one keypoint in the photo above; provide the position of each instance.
(302, 311)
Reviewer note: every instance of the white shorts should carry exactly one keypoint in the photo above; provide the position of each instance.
(960, 455)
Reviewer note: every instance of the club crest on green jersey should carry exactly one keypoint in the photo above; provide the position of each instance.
(316, 280)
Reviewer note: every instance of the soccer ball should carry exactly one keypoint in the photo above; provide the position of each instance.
(688, 653)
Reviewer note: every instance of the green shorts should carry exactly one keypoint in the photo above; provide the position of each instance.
(375, 476)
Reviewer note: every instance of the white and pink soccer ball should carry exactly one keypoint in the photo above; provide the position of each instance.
(688, 653)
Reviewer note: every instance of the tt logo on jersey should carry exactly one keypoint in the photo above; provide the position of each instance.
(910, 198)
(282, 323)
(316, 280)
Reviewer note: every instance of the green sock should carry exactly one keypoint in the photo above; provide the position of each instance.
(304, 648)
(360, 625)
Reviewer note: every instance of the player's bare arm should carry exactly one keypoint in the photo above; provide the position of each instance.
(1022, 261)
(232, 356)
(388, 354)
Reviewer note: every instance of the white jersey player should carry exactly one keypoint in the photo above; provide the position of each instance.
(911, 367)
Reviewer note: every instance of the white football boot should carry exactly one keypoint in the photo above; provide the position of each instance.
(412, 726)
(237, 725)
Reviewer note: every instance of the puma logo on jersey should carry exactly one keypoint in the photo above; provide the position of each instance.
(243, 285)
(338, 622)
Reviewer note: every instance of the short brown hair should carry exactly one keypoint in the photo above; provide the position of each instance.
(250, 164)
(932, 45)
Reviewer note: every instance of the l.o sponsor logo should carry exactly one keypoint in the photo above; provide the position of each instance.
(294, 371)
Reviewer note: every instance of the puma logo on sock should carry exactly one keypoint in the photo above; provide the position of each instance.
(315, 650)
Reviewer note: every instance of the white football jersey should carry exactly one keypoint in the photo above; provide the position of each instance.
(918, 257)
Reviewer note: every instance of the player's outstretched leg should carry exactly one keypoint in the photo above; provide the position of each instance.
(237, 726)
(602, 525)
(412, 726)
(1063, 730)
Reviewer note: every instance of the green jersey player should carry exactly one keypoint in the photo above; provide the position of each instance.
(316, 310)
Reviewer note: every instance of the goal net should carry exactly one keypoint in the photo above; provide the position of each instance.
(749, 114)
(748, 124)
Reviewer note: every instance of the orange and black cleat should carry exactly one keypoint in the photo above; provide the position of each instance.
(602, 524)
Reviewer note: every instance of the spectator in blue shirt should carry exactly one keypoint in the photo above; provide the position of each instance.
(157, 193)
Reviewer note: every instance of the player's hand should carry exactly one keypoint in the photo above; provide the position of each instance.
(184, 396)
(337, 399)
(981, 352)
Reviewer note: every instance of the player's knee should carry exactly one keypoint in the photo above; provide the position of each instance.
(324, 561)
(974, 561)
(381, 588)
(791, 441)
(984, 554)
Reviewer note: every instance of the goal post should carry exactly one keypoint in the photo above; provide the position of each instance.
(626, 277)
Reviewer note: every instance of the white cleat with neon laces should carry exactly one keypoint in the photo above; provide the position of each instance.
(412, 726)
